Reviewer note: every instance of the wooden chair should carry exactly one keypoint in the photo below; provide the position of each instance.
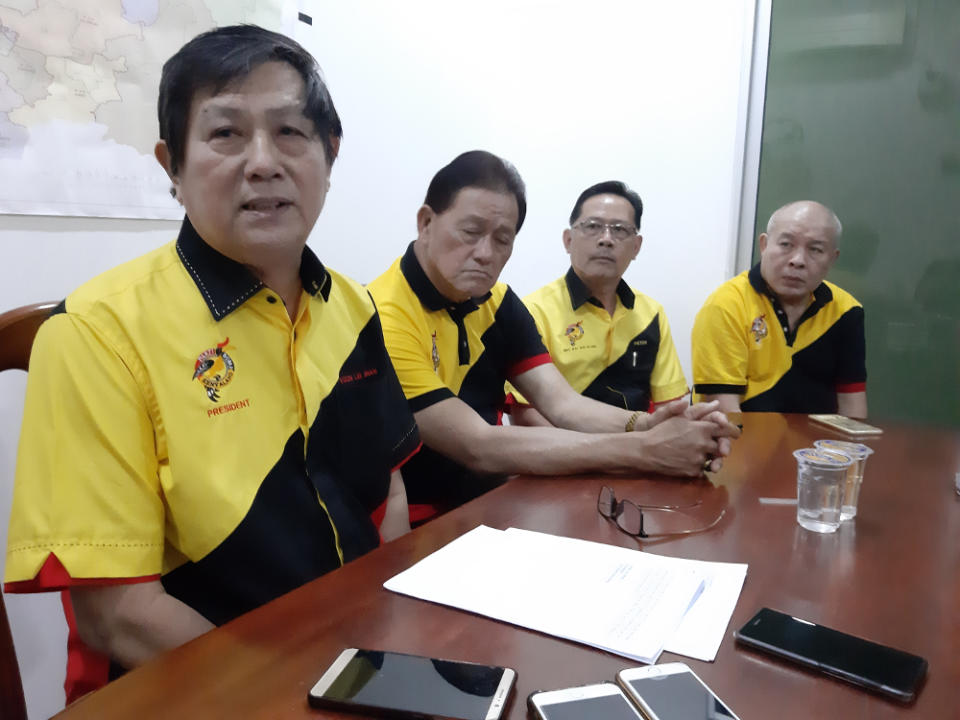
(17, 330)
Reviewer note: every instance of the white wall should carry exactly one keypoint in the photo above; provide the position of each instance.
(646, 92)
(652, 93)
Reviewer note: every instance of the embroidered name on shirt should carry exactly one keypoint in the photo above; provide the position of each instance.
(229, 407)
(359, 375)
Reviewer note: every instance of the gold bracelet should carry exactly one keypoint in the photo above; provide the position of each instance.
(632, 422)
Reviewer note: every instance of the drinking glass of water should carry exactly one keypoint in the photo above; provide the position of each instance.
(859, 453)
(821, 482)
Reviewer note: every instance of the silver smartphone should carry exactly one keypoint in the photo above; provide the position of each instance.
(397, 685)
(672, 691)
(604, 700)
(846, 425)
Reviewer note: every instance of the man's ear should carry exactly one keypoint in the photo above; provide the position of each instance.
(567, 239)
(162, 153)
(762, 242)
(425, 216)
(639, 245)
(334, 151)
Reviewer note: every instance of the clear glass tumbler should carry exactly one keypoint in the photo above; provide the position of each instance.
(821, 481)
(859, 453)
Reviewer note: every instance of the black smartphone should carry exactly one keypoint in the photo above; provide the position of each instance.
(884, 669)
(397, 685)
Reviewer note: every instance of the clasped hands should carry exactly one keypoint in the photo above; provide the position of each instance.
(702, 432)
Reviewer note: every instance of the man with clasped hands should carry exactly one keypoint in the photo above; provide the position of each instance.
(455, 334)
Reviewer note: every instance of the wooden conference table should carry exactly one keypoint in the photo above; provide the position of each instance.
(893, 575)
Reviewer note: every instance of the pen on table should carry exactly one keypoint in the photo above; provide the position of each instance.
(777, 501)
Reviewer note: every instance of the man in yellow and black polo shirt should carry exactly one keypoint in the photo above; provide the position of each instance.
(611, 343)
(455, 334)
(779, 337)
(216, 423)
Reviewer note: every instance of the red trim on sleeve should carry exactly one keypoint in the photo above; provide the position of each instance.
(87, 669)
(54, 576)
(376, 517)
(406, 459)
(851, 387)
(510, 402)
(528, 364)
(420, 513)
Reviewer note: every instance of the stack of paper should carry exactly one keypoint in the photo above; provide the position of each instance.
(629, 602)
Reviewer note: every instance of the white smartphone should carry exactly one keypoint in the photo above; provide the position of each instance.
(397, 685)
(672, 691)
(604, 700)
(846, 425)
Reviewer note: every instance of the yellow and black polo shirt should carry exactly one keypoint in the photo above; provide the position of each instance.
(441, 350)
(627, 360)
(742, 345)
(177, 424)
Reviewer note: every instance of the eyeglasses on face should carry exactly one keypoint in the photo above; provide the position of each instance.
(660, 520)
(594, 229)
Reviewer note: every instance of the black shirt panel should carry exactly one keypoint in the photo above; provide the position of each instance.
(362, 430)
(432, 478)
(243, 573)
(619, 384)
(810, 385)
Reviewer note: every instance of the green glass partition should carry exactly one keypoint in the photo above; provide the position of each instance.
(862, 113)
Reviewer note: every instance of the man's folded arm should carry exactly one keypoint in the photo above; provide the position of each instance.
(728, 402)
(852, 404)
(675, 446)
(134, 622)
(549, 392)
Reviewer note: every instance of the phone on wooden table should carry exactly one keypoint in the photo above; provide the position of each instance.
(884, 669)
(604, 701)
(396, 685)
(672, 691)
(846, 425)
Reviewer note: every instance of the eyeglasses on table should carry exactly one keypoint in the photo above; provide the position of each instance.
(659, 521)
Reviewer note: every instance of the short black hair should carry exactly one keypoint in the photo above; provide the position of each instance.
(216, 58)
(479, 169)
(610, 187)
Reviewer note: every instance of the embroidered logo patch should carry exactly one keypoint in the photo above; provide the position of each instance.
(759, 328)
(214, 369)
(434, 354)
(574, 332)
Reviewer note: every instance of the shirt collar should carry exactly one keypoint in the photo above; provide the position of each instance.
(579, 293)
(226, 284)
(821, 294)
(427, 293)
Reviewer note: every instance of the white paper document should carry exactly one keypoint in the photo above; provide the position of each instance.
(629, 602)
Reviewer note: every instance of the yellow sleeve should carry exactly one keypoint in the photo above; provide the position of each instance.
(86, 487)
(666, 380)
(719, 351)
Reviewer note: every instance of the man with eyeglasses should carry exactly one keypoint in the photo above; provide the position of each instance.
(779, 337)
(455, 334)
(611, 343)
